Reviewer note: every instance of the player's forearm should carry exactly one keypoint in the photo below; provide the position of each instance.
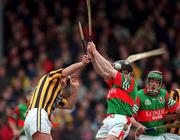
(104, 64)
(100, 58)
(73, 68)
(99, 70)
(135, 123)
(178, 110)
(72, 99)
(171, 117)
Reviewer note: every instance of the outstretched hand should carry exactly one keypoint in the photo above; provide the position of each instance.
(86, 58)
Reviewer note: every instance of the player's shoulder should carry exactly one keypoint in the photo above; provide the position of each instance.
(22, 106)
(175, 93)
(140, 92)
(133, 80)
(162, 90)
(56, 71)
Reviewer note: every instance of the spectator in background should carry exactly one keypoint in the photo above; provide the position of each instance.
(5, 130)
(4, 77)
(16, 120)
(17, 117)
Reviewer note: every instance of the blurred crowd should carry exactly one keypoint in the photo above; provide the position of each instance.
(43, 35)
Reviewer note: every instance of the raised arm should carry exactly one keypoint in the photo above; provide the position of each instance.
(101, 61)
(77, 66)
(74, 93)
(99, 70)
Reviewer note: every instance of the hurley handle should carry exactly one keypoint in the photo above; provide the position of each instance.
(150, 129)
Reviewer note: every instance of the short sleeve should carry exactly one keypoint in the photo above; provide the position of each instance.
(118, 79)
(109, 83)
(55, 74)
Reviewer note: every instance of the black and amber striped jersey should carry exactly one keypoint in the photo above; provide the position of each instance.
(47, 94)
(175, 94)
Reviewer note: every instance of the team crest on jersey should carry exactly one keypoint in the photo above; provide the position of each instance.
(161, 99)
(147, 102)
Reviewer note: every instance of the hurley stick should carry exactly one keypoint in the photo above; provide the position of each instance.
(82, 37)
(139, 56)
(171, 125)
(88, 2)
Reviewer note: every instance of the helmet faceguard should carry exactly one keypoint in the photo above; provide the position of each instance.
(154, 78)
(123, 66)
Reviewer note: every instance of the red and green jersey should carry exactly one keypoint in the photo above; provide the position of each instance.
(121, 96)
(150, 110)
(18, 116)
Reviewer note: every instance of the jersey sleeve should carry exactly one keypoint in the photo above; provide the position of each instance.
(118, 79)
(109, 83)
(55, 74)
(171, 104)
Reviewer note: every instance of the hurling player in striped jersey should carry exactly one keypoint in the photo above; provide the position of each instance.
(48, 95)
(174, 94)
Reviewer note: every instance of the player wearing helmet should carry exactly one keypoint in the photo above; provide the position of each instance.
(154, 82)
(151, 103)
(123, 66)
(120, 98)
